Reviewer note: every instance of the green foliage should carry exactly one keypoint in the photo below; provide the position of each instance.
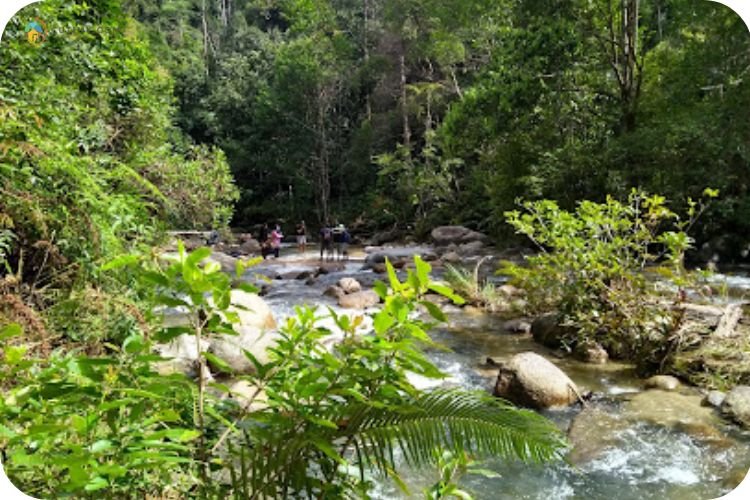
(91, 164)
(73, 425)
(332, 411)
(592, 265)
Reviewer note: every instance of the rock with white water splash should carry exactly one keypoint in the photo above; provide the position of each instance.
(256, 332)
(529, 379)
(349, 285)
(359, 300)
(736, 405)
(663, 382)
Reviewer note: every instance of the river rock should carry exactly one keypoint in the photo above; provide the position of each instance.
(334, 291)
(591, 352)
(330, 267)
(450, 257)
(444, 235)
(349, 285)
(250, 246)
(359, 300)
(227, 262)
(548, 331)
(713, 399)
(663, 382)
(470, 248)
(182, 354)
(736, 405)
(255, 333)
(530, 380)
(674, 410)
(379, 268)
(248, 396)
(517, 326)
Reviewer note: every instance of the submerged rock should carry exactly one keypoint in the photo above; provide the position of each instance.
(529, 379)
(673, 410)
(591, 433)
(663, 382)
(736, 405)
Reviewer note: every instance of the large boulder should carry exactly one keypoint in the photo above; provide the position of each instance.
(445, 235)
(528, 379)
(359, 300)
(256, 332)
(736, 405)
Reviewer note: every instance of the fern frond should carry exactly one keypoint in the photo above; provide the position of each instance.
(455, 420)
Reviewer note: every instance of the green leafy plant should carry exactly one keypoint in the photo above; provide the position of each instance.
(326, 411)
(593, 264)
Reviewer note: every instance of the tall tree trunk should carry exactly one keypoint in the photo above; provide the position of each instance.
(630, 74)
(366, 48)
(204, 23)
(323, 174)
(404, 107)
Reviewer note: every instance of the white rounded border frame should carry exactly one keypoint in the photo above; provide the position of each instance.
(8, 8)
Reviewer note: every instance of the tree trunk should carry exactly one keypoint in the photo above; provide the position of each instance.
(365, 42)
(404, 107)
(323, 174)
(630, 73)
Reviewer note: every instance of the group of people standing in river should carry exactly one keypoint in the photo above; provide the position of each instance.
(334, 241)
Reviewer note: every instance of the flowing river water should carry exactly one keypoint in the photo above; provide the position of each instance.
(629, 443)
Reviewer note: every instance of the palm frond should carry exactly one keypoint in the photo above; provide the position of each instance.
(373, 438)
(455, 420)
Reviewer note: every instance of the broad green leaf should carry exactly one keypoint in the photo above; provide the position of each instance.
(11, 330)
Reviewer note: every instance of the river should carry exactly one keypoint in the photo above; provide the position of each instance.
(630, 443)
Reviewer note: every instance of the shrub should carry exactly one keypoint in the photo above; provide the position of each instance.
(593, 267)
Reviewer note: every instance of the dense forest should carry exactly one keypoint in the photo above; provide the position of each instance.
(438, 111)
(612, 135)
